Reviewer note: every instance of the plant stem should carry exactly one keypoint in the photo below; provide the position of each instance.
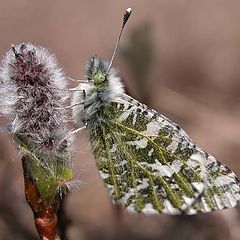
(44, 213)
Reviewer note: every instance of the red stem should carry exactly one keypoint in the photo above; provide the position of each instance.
(44, 214)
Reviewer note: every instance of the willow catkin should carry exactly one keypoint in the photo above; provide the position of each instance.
(32, 96)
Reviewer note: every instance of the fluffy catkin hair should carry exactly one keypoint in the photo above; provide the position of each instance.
(32, 93)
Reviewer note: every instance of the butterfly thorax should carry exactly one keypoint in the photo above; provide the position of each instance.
(102, 89)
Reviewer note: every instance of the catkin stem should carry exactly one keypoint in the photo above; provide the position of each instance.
(45, 215)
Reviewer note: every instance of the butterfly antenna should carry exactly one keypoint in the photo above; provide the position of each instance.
(125, 19)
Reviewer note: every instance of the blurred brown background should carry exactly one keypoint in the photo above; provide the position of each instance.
(180, 57)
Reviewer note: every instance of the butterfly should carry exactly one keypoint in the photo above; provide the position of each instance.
(146, 161)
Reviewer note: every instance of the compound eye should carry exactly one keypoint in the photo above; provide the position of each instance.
(99, 78)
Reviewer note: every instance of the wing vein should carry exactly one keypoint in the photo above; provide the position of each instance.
(159, 149)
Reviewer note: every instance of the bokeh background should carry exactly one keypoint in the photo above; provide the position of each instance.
(181, 57)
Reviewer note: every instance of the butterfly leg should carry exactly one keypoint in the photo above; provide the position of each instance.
(78, 80)
(72, 105)
(63, 142)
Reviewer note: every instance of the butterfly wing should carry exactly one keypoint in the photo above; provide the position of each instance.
(150, 165)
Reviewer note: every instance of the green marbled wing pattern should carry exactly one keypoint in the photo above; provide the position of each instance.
(150, 165)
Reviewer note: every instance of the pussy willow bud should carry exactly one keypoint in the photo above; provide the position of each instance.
(32, 95)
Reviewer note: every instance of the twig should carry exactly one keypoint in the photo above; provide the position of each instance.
(44, 214)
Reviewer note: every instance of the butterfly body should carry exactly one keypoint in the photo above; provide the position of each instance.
(147, 162)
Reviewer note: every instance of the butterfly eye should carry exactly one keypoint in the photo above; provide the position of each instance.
(99, 78)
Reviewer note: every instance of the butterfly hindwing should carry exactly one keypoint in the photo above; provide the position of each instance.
(150, 165)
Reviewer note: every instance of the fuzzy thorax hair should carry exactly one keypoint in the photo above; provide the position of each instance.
(102, 88)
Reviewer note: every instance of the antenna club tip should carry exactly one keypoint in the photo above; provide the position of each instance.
(126, 15)
(129, 10)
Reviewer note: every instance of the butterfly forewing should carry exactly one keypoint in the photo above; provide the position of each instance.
(150, 165)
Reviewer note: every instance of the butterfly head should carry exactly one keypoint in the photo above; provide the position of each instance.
(97, 72)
